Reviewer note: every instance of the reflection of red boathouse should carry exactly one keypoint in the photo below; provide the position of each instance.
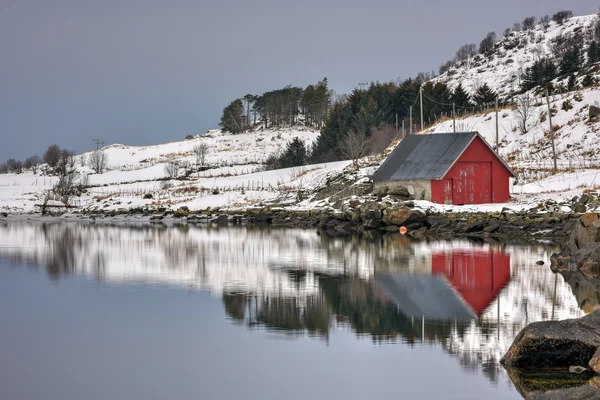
(477, 274)
(451, 283)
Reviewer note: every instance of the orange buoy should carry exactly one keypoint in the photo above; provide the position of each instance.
(403, 230)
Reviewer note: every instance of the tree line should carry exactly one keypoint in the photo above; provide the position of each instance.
(279, 108)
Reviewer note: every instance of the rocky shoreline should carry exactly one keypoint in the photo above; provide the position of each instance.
(369, 216)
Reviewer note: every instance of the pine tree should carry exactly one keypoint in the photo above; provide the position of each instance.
(572, 60)
(233, 119)
(593, 52)
(484, 95)
(588, 81)
(460, 97)
(572, 83)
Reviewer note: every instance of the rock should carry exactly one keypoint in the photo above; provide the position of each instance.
(555, 384)
(437, 221)
(560, 261)
(477, 226)
(5, 214)
(540, 262)
(414, 226)
(584, 199)
(492, 228)
(399, 191)
(403, 216)
(184, 208)
(593, 112)
(576, 369)
(590, 269)
(555, 343)
(148, 196)
(588, 219)
(419, 233)
(391, 228)
(595, 361)
(372, 223)
(354, 203)
(380, 191)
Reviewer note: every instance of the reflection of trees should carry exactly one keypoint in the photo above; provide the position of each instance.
(289, 315)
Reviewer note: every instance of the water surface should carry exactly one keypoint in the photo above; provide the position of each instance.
(143, 312)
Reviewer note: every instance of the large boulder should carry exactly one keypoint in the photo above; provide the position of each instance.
(594, 112)
(403, 216)
(556, 343)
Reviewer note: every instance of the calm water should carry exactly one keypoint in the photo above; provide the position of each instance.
(140, 312)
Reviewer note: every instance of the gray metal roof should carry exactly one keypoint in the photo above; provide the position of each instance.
(429, 296)
(426, 156)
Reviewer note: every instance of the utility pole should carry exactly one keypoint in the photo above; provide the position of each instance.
(551, 129)
(497, 148)
(421, 95)
(454, 116)
(403, 131)
(410, 130)
(99, 143)
(396, 122)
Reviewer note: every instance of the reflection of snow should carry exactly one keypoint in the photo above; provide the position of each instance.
(533, 294)
(265, 263)
(219, 260)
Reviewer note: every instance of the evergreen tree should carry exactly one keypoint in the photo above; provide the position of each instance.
(233, 119)
(572, 83)
(540, 73)
(588, 81)
(485, 95)
(593, 52)
(572, 59)
(460, 97)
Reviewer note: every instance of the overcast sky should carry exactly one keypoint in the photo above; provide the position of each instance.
(151, 71)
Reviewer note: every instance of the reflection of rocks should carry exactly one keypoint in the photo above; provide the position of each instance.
(298, 282)
(586, 290)
(582, 251)
(555, 384)
(555, 344)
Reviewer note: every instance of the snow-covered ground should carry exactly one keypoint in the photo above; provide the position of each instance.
(502, 71)
(235, 176)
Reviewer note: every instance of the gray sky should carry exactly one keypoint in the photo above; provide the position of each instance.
(151, 71)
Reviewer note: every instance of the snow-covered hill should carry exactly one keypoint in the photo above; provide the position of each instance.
(232, 174)
(512, 55)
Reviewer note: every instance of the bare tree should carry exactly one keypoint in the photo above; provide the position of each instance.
(200, 151)
(52, 156)
(381, 138)
(466, 51)
(562, 16)
(529, 23)
(32, 163)
(355, 146)
(524, 111)
(98, 161)
(517, 27)
(545, 22)
(172, 170)
(65, 186)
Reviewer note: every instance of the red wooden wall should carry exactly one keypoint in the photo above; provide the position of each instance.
(477, 177)
(478, 275)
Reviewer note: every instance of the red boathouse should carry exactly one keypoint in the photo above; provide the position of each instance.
(445, 168)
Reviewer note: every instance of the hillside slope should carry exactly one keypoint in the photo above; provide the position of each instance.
(503, 69)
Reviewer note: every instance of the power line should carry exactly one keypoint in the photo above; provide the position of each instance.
(99, 143)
